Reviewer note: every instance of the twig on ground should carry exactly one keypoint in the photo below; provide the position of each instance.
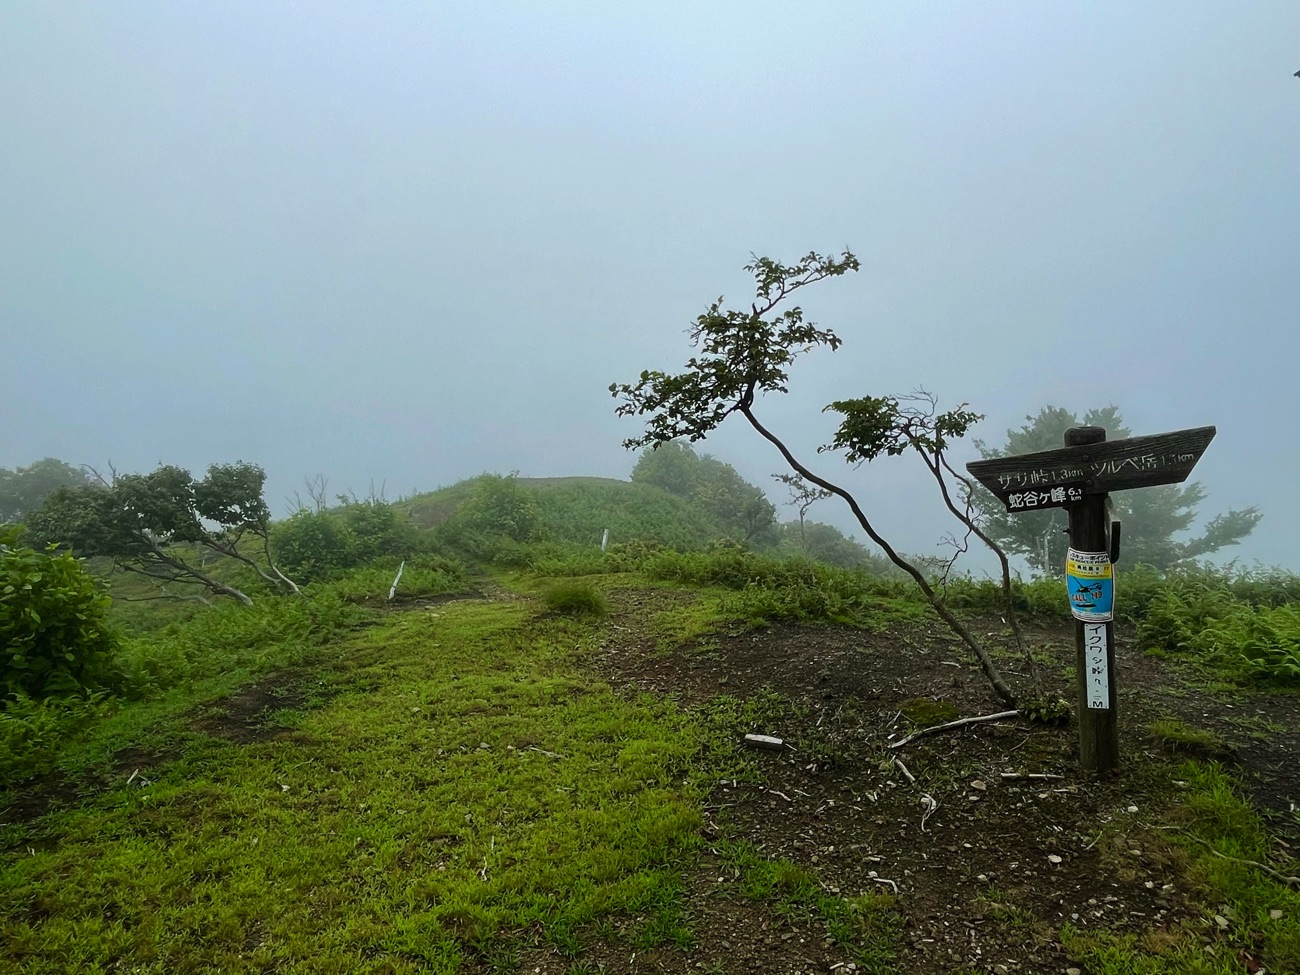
(906, 774)
(884, 880)
(543, 751)
(960, 722)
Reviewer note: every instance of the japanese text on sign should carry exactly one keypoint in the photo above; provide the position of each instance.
(1046, 476)
(1097, 674)
(1090, 583)
(1052, 497)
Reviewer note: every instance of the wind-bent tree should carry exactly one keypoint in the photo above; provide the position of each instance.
(1152, 517)
(744, 353)
(139, 520)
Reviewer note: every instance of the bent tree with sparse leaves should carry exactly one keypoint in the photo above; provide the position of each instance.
(141, 522)
(742, 353)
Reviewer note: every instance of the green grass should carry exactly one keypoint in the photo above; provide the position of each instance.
(1179, 738)
(167, 667)
(1217, 830)
(483, 793)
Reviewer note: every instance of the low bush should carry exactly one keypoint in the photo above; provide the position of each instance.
(1237, 637)
(575, 598)
(54, 627)
(314, 546)
(274, 632)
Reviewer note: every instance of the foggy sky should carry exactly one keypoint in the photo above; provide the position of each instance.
(412, 242)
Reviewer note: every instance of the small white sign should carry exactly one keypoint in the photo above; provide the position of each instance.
(1094, 659)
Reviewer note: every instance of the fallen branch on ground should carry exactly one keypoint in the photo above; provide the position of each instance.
(906, 774)
(960, 722)
(1277, 875)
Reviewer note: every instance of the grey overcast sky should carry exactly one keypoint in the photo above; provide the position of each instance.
(416, 241)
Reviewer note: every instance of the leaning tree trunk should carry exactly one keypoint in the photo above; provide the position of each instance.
(990, 668)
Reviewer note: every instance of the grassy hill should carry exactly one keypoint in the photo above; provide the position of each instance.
(578, 509)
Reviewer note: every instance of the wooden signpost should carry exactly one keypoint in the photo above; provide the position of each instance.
(1079, 478)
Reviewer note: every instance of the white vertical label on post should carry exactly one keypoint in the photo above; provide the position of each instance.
(1094, 659)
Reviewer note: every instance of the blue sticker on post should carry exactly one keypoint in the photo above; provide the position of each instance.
(1090, 581)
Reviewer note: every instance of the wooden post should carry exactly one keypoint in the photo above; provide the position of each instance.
(1094, 656)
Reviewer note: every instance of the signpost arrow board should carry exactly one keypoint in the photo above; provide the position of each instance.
(1079, 477)
(1056, 478)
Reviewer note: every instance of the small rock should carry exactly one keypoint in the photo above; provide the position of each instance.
(1132, 809)
(1053, 858)
(979, 784)
(1073, 971)
(1275, 915)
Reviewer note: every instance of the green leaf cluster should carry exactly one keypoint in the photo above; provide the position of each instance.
(55, 638)
(24, 489)
(741, 353)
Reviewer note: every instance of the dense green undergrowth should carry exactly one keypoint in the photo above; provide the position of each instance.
(204, 655)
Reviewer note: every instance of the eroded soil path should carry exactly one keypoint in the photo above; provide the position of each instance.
(987, 866)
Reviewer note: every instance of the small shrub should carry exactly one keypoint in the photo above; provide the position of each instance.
(1049, 711)
(575, 598)
(54, 627)
(313, 545)
(378, 530)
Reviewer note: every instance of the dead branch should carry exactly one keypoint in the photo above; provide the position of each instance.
(1275, 874)
(911, 779)
(960, 722)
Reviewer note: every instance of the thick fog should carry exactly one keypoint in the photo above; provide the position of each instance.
(414, 242)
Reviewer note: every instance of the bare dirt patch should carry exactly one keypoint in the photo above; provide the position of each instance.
(999, 863)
